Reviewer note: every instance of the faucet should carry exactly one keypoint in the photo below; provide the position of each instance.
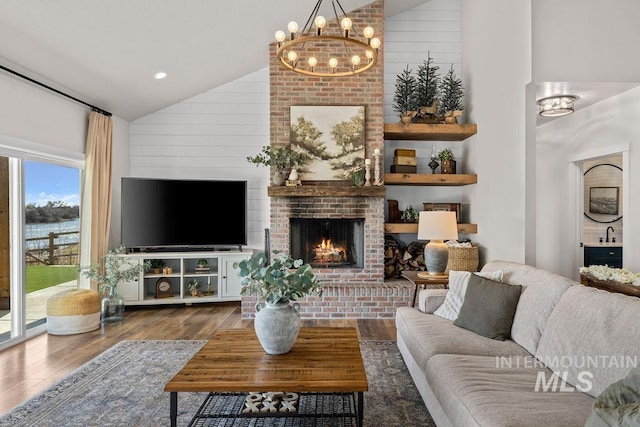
(607, 239)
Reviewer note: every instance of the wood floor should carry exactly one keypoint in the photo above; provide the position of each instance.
(30, 367)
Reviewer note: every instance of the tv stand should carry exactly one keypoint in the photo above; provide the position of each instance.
(219, 281)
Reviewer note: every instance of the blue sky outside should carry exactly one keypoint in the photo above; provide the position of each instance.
(51, 183)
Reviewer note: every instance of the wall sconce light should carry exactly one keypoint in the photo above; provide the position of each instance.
(556, 106)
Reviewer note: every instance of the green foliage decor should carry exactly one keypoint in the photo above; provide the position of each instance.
(452, 92)
(445, 154)
(193, 285)
(427, 83)
(404, 99)
(115, 268)
(282, 280)
(410, 214)
(279, 157)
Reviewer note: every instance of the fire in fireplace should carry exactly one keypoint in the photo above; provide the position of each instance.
(325, 242)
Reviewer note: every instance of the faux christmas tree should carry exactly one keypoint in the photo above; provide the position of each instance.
(427, 91)
(452, 93)
(404, 100)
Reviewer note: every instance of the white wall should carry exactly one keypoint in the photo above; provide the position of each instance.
(210, 136)
(496, 58)
(603, 127)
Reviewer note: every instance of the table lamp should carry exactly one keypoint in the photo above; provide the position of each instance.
(436, 227)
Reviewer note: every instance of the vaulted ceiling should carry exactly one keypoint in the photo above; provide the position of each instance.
(106, 52)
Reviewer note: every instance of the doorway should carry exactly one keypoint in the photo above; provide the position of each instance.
(601, 206)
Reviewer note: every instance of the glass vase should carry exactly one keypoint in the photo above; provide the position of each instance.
(112, 308)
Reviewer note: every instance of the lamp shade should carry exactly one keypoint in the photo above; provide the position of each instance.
(437, 225)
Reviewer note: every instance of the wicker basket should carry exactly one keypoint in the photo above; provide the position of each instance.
(463, 259)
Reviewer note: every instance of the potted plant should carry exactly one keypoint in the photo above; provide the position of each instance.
(451, 99)
(157, 265)
(405, 102)
(279, 157)
(194, 287)
(202, 262)
(447, 161)
(278, 282)
(115, 268)
(409, 214)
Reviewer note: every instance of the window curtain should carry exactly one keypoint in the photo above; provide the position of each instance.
(96, 193)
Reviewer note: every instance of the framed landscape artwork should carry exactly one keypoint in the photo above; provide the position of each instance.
(604, 200)
(332, 136)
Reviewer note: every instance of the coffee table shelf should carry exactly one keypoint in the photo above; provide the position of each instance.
(223, 409)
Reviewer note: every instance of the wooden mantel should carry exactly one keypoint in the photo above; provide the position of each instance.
(326, 191)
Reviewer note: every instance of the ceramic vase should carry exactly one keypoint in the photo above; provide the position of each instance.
(277, 326)
(278, 178)
(112, 305)
(293, 176)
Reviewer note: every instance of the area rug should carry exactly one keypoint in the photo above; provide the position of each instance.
(124, 386)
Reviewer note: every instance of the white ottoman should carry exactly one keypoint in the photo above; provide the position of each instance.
(73, 311)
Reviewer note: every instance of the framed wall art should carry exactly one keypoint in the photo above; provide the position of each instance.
(332, 136)
(455, 207)
(604, 200)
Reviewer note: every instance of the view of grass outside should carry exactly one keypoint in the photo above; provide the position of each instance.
(43, 276)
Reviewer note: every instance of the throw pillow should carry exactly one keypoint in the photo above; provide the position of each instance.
(489, 307)
(458, 281)
(618, 404)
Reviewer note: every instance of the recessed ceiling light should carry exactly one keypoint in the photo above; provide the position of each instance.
(159, 76)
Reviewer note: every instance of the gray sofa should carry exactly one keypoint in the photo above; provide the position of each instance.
(590, 337)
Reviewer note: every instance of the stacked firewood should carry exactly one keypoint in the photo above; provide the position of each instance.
(399, 258)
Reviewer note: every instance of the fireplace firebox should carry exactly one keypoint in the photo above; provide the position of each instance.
(330, 243)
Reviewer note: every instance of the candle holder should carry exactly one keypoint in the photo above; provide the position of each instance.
(367, 175)
(433, 164)
(376, 165)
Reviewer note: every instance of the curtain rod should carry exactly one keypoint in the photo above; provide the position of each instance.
(22, 76)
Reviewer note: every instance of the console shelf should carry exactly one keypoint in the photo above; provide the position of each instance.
(220, 283)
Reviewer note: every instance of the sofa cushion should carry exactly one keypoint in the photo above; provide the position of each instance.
(458, 282)
(488, 307)
(541, 290)
(593, 332)
(427, 335)
(481, 391)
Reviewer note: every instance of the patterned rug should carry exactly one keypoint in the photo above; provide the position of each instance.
(124, 386)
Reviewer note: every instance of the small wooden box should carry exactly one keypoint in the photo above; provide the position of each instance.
(404, 152)
(405, 161)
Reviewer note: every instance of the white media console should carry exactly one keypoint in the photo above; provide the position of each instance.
(219, 283)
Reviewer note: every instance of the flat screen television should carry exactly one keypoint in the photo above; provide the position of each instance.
(174, 214)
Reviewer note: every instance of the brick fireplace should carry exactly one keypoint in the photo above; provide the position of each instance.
(353, 291)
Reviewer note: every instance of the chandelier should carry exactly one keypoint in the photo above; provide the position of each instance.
(325, 50)
(556, 106)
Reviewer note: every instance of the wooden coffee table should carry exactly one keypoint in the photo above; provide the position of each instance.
(323, 360)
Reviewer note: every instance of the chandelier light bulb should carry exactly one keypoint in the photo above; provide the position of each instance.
(368, 32)
(346, 24)
(333, 63)
(292, 27)
(320, 21)
(292, 56)
(355, 60)
(312, 61)
(375, 42)
(280, 36)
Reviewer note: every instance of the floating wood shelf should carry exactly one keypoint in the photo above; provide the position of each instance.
(326, 191)
(413, 228)
(429, 179)
(428, 132)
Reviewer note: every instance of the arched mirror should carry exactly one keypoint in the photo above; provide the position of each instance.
(602, 195)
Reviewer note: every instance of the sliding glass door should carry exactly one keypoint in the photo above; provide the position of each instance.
(39, 238)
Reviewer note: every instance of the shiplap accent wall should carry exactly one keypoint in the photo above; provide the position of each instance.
(210, 135)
